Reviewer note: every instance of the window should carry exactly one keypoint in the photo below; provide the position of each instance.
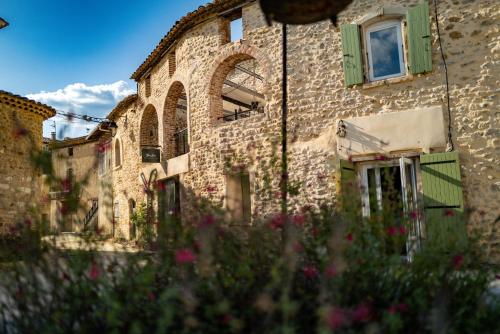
(116, 213)
(70, 151)
(232, 26)
(389, 189)
(384, 49)
(238, 201)
(383, 53)
(171, 64)
(118, 158)
(423, 192)
(147, 84)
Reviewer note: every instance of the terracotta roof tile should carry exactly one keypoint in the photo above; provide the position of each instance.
(121, 106)
(24, 103)
(187, 22)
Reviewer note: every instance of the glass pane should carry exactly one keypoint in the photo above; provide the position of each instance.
(372, 190)
(385, 52)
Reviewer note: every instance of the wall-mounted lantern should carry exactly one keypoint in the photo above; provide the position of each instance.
(341, 129)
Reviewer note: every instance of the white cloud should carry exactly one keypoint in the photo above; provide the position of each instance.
(81, 99)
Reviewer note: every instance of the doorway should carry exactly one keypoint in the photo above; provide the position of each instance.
(169, 204)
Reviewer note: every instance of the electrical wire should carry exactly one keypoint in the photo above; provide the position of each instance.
(449, 144)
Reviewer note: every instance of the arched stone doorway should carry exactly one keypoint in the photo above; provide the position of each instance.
(175, 122)
(149, 127)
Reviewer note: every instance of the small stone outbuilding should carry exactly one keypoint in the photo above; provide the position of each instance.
(21, 194)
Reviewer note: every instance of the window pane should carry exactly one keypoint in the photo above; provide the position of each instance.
(385, 52)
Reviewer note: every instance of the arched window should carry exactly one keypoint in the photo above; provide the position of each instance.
(175, 122)
(149, 127)
(237, 89)
(118, 155)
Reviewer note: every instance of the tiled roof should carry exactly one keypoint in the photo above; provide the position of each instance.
(24, 103)
(121, 106)
(67, 142)
(187, 22)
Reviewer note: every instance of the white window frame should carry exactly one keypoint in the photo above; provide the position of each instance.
(398, 23)
(416, 233)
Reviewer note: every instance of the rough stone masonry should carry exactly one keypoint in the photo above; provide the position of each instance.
(197, 55)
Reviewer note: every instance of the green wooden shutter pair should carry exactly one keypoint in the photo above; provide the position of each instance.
(419, 46)
(443, 198)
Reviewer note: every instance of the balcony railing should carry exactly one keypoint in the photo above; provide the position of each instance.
(181, 142)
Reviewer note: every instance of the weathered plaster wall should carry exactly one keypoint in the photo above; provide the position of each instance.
(318, 99)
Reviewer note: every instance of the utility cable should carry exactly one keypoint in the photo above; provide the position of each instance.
(449, 144)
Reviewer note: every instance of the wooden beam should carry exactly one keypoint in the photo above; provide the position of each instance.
(243, 89)
(237, 102)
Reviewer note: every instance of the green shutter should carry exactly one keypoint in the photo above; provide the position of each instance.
(419, 39)
(443, 198)
(351, 49)
(348, 189)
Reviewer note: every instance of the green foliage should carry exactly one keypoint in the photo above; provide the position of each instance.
(317, 270)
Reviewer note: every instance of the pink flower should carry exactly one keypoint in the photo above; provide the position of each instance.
(94, 272)
(330, 271)
(362, 313)
(402, 307)
(66, 185)
(211, 189)
(448, 213)
(278, 221)
(413, 214)
(298, 219)
(349, 237)
(28, 222)
(458, 260)
(310, 271)
(151, 297)
(393, 309)
(336, 318)
(402, 230)
(20, 132)
(391, 231)
(207, 221)
(183, 256)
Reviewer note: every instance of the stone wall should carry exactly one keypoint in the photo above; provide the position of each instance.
(20, 183)
(318, 99)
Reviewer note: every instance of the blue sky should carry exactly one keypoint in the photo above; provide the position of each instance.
(78, 55)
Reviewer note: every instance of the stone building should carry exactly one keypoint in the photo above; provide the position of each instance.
(365, 97)
(74, 162)
(21, 194)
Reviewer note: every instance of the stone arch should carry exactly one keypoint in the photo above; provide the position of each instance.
(149, 127)
(223, 64)
(175, 121)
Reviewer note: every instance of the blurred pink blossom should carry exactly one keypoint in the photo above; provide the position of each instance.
(183, 256)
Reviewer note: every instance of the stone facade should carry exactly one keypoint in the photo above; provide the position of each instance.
(21, 194)
(318, 99)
